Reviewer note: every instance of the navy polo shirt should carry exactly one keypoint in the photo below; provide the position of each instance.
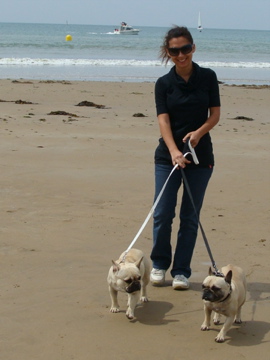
(187, 104)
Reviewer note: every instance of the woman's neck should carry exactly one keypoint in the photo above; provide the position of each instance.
(185, 73)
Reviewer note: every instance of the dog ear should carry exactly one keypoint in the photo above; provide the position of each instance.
(210, 272)
(115, 266)
(228, 277)
(138, 263)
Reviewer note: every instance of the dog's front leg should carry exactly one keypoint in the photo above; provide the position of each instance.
(207, 318)
(217, 318)
(115, 306)
(143, 297)
(132, 302)
(221, 335)
(237, 319)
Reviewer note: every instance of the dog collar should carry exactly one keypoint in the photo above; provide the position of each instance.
(226, 296)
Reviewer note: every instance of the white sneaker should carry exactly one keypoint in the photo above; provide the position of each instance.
(180, 282)
(157, 277)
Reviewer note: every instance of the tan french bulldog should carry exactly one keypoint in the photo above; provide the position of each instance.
(225, 296)
(130, 274)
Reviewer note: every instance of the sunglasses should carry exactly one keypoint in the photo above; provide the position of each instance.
(175, 51)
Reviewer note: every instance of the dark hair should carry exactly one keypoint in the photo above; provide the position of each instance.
(175, 32)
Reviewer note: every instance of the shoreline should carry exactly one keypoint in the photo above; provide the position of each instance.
(138, 80)
(52, 81)
(76, 185)
(230, 76)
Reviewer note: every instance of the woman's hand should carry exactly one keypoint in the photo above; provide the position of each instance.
(178, 158)
(194, 138)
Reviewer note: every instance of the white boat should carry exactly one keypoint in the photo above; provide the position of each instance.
(200, 28)
(126, 29)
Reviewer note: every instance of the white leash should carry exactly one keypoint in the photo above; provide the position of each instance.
(152, 210)
(196, 161)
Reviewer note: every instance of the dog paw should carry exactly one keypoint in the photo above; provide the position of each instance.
(204, 327)
(219, 339)
(144, 299)
(216, 319)
(114, 310)
(238, 321)
(129, 314)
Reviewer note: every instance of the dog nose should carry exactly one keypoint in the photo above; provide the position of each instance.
(205, 295)
(134, 286)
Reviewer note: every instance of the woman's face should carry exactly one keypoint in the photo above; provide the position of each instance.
(181, 53)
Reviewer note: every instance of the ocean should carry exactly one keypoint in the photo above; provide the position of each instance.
(40, 51)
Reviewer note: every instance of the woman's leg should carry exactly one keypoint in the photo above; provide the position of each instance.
(197, 179)
(164, 213)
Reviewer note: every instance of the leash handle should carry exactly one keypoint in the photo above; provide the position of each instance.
(191, 151)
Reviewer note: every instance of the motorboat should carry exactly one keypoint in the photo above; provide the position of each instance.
(126, 29)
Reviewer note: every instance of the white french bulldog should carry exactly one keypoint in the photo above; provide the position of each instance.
(130, 274)
(225, 296)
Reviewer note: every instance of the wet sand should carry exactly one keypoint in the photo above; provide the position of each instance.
(75, 189)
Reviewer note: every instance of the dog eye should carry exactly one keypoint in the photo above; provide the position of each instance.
(215, 288)
(139, 278)
(128, 281)
(203, 286)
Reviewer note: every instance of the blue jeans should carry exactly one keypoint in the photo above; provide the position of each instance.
(161, 255)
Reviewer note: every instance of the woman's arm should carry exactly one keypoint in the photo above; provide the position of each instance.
(213, 119)
(166, 133)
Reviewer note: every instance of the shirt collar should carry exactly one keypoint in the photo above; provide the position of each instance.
(193, 80)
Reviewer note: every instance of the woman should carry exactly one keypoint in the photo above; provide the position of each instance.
(188, 107)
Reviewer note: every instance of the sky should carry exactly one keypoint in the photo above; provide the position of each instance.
(220, 14)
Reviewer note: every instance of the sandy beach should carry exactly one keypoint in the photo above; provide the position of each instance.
(76, 185)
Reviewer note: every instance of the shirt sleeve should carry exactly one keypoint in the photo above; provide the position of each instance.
(214, 98)
(161, 97)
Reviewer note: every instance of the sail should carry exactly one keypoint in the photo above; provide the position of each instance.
(199, 22)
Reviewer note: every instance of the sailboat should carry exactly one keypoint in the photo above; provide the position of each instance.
(199, 23)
